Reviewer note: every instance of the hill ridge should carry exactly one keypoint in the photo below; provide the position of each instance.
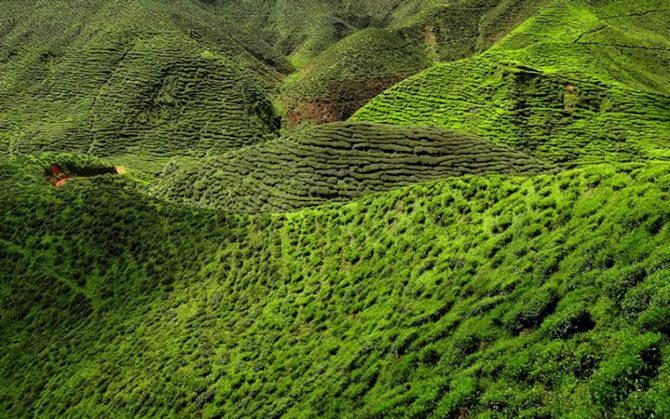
(335, 162)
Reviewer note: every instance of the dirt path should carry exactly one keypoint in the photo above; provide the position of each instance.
(28, 254)
(63, 179)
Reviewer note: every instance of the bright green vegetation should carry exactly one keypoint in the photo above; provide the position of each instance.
(493, 295)
(487, 238)
(335, 162)
(553, 88)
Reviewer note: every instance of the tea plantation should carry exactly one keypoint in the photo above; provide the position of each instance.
(338, 209)
(491, 295)
(551, 89)
(335, 162)
(139, 80)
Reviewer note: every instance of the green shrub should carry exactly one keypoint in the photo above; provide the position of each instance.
(569, 321)
(630, 369)
(531, 310)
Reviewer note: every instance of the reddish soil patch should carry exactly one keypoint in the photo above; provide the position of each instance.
(346, 99)
(322, 112)
(60, 182)
(59, 177)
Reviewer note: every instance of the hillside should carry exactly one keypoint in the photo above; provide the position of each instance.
(335, 209)
(483, 295)
(335, 83)
(142, 81)
(335, 162)
(138, 80)
(553, 88)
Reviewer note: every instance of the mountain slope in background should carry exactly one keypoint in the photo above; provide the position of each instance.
(137, 80)
(580, 82)
(342, 78)
(146, 80)
(336, 162)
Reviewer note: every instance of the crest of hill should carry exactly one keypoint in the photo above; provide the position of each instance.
(499, 296)
(336, 162)
(143, 80)
(580, 82)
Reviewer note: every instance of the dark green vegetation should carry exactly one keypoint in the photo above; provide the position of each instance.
(486, 295)
(143, 80)
(396, 44)
(335, 162)
(489, 238)
(137, 80)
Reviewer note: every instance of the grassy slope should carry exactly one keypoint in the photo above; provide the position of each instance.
(479, 295)
(487, 295)
(139, 80)
(553, 88)
(345, 76)
(335, 162)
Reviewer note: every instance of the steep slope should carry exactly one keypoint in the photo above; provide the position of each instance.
(472, 296)
(335, 162)
(146, 80)
(142, 80)
(580, 82)
(345, 76)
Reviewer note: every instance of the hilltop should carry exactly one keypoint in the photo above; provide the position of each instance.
(336, 162)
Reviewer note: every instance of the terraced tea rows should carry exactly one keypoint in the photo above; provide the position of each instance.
(470, 273)
(181, 87)
(553, 118)
(145, 80)
(347, 75)
(336, 162)
(547, 93)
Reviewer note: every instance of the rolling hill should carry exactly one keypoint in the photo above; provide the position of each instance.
(146, 80)
(479, 296)
(139, 80)
(335, 162)
(327, 208)
(552, 89)
(345, 76)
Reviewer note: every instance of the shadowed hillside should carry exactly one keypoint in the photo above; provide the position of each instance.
(138, 80)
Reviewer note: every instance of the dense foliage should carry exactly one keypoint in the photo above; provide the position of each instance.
(550, 89)
(335, 162)
(478, 295)
(190, 227)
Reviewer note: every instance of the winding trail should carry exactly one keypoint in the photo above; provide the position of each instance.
(66, 281)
